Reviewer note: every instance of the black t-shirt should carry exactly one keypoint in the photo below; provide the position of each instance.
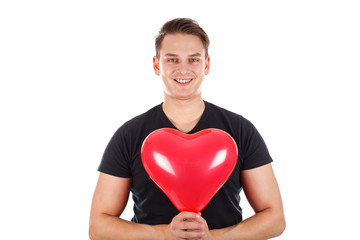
(151, 206)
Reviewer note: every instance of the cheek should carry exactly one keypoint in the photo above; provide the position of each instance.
(199, 70)
(167, 72)
(166, 69)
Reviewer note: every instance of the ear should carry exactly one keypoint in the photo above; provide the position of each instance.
(207, 65)
(156, 66)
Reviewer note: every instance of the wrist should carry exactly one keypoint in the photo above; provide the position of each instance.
(161, 232)
(215, 234)
(221, 234)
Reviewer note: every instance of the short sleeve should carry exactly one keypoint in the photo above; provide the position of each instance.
(254, 151)
(115, 160)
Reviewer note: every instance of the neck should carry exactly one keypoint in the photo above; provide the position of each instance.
(184, 114)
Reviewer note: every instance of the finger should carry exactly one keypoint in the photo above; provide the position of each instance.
(187, 234)
(186, 225)
(191, 226)
(188, 215)
(191, 235)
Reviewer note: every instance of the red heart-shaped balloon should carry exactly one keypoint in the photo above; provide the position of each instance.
(189, 168)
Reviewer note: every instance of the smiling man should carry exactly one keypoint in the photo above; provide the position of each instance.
(182, 62)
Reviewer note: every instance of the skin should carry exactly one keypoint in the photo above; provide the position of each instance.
(183, 57)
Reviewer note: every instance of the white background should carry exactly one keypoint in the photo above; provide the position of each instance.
(73, 71)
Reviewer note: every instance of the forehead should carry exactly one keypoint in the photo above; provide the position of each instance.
(181, 44)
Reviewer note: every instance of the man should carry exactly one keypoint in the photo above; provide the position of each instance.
(182, 61)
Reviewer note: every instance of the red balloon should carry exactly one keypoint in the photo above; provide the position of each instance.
(189, 168)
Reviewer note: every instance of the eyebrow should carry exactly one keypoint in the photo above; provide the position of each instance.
(176, 55)
(195, 55)
(171, 55)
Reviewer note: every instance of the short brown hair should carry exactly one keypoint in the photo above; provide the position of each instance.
(182, 25)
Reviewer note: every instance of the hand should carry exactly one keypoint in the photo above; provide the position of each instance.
(189, 226)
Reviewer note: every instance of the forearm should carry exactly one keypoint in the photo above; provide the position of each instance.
(266, 224)
(106, 227)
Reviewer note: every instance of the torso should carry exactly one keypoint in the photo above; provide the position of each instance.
(122, 159)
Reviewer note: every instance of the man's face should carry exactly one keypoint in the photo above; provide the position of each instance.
(182, 65)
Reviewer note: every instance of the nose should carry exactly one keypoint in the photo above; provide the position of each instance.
(183, 68)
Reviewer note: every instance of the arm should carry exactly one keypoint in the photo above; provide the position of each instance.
(263, 194)
(109, 201)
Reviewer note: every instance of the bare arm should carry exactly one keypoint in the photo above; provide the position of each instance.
(109, 201)
(260, 187)
(262, 192)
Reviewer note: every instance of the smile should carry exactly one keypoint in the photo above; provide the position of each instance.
(183, 80)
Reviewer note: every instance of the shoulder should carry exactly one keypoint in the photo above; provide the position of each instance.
(140, 121)
(225, 115)
(240, 128)
(138, 127)
(221, 110)
(142, 118)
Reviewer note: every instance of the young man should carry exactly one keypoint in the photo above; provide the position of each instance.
(182, 61)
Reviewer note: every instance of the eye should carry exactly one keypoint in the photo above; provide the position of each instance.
(193, 60)
(172, 60)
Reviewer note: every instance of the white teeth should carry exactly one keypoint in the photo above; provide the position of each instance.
(183, 80)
